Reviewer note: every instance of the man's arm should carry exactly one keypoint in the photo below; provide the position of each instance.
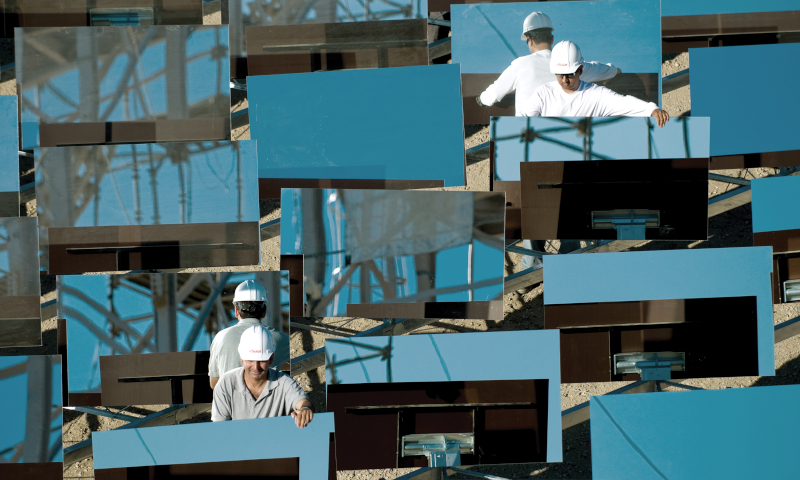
(534, 105)
(616, 105)
(597, 72)
(221, 405)
(505, 84)
(303, 412)
(213, 381)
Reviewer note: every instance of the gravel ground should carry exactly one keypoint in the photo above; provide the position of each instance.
(522, 312)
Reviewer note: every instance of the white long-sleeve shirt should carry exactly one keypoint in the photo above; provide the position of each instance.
(589, 100)
(526, 74)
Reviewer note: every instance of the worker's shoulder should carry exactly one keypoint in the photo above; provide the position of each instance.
(284, 380)
(229, 378)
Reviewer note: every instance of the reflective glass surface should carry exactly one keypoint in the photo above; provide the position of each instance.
(627, 33)
(670, 8)
(19, 259)
(30, 429)
(180, 444)
(446, 357)
(773, 200)
(9, 144)
(244, 13)
(664, 275)
(357, 130)
(762, 123)
(619, 138)
(172, 81)
(731, 433)
(403, 245)
(116, 314)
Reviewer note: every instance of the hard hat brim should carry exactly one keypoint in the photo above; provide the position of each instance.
(565, 70)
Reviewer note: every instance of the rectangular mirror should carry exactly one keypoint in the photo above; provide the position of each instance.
(143, 207)
(359, 133)
(9, 157)
(486, 40)
(186, 447)
(702, 434)
(31, 443)
(133, 84)
(746, 139)
(692, 301)
(113, 319)
(397, 254)
(20, 315)
(405, 386)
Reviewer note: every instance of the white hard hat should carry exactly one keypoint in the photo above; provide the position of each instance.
(256, 344)
(535, 20)
(250, 291)
(565, 58)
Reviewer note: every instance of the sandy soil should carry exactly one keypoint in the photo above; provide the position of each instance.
(522, 312)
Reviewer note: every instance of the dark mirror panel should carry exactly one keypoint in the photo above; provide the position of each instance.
(382, 247)
(20, 315)
(80, 86)
(273, 469)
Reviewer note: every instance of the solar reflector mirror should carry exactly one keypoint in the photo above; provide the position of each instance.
(747, 135)
(112, 320)
(397, 254)
(776, 227)
(243, 14)
(186, 448)
(9, 157)
(700, 434)
(142, 207)
(402, 387)
(656, 199)
(271, 469)
(691, 301)
(334, 46)
(486, 40)
(135, 84)
(30, 431)
(20, 315)
(83, 13)
(358, 137)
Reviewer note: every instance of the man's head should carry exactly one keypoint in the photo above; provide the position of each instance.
(250, 300)
(537, 31)
(566, 62)
(256, 349)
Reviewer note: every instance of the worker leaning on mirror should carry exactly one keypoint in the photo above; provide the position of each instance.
(254, 390)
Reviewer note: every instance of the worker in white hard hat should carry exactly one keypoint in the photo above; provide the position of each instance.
(528, 73)
(255, 390)
(250, 305)
(570, 96)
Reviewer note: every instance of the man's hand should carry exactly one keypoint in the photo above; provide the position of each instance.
(478, 101)
(303, 416)
(661, 116)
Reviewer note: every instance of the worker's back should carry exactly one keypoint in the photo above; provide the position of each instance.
(225, 348)
(534, 71)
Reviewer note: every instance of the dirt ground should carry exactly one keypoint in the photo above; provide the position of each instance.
(522, 312)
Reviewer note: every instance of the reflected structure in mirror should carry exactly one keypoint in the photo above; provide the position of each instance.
(58, 13)
(359, 136)
(113, 319)
(763, 131)
(335, 46)
(692, 302)
(9, 157)
(664, 199)
(187, 448)
(142, 207)
(701, 434)
(246, 14)
(30, 443)
(409, 390)
(397, 254)
(20, 315)
(486, 40)
(79, 85)
(774, 226)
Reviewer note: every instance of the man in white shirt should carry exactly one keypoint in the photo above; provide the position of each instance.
(569, 96)
(528, 73)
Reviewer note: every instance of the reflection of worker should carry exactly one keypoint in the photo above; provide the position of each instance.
(250, 305)
(528, 73)
(569, 96)
(257, 391)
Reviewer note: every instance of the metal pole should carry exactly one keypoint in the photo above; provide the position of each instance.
(164, 286)
(37, 416)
